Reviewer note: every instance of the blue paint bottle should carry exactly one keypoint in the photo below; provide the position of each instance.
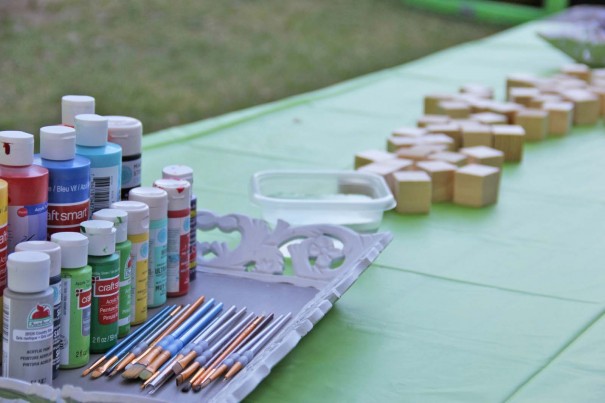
(105, 160)
(69, 179)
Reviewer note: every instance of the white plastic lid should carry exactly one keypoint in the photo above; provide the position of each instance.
(138, 215)
(101, 237)
(119, 218)
(155, 198)
(127, 132)
(74, 249)
(179, 193)
(72, 105)
(17, 148)
(178, 172)
(91, 130)
(58, 143)
(28, 271)
(50, 248)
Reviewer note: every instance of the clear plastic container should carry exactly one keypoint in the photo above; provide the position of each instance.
(301, 197)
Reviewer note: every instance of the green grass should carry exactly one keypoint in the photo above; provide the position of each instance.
(174, 62)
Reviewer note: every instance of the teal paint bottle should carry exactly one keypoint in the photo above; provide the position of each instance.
(105, 160)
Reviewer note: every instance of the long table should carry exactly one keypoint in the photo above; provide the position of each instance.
(493, 304)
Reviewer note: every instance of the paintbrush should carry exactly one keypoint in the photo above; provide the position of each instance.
(148, 355)
(142, 328)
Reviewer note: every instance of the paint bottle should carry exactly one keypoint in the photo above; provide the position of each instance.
(3, 241)
(128, 133)
(68, 179)
(186, 173)
(72, 105)
(157, 201)
(105, 266)
(27, 189)
(177, 270)
(105, 160)
(54, 253)
(119, 218)
(76, 278)
(138, 234)
(27, 336)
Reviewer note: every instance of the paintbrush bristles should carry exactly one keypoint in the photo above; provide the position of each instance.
(93, 366)
(183, 362)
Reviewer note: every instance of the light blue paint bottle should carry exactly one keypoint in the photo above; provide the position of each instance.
(105, 160)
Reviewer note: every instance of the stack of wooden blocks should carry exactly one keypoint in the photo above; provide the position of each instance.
(456, 152)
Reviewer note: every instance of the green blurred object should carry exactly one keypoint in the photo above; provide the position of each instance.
(583, 42)
(492, 11)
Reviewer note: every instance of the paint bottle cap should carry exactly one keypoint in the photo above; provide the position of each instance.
(17, 148)
(58, 143)
(91, 130)
(72, 105)
(50, 248)
(74, 249)
(155, 198)
(179, 193)
(127, 132)
(28, 271)
(178, 172)
(101, 237)
(119, 218)
(138, 216)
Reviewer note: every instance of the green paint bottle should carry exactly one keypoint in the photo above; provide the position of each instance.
(76, 278)
(105, 265)
(119, 218)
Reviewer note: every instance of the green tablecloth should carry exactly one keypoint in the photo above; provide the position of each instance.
(500, 303)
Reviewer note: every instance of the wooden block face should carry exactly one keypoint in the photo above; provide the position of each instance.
(413, 192)
(454, 109)
(586, 106)
(453, 158)
(520, 80)
(577, 70)
(560, 117)
(509, 139)
(395, 143)
(449, 129)
(476, 185)
(490, 118)
(484, 156)
(431, 102)
(437, 139)
(599, 91)
(387, 168)
(413, 132)
(523, 96)
(477, 135)
(539, 101)
(442, 178)
(418, 153)
(509, 109)
(479, 90)
(534, 122)
(427, 120)
(370, 156)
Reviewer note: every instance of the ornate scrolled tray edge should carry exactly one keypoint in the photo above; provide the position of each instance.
(319, 253)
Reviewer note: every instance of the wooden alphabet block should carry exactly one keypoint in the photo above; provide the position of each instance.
(479, 90)
(442, 178)
(523, 96)
(387, 168)
(509, 139)
(412, 192)
(560, 117)
(395, 143)
(476, 185)
(490, 118)
(370, 156)
(453, 158)
(484, 156)
(437, 139)
(454, 109)
(509, 109)
(586, 106)
(449, 129)
(577, 70)
(413, 132)
(599, 91)
(431, 102)
(420, 152)
(539, 101)
(520, 80)
(534, 122)
(477, 135)
(427, 120)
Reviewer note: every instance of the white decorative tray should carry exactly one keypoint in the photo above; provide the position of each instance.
(302, 270)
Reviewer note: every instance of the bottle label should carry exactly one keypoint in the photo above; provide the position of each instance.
(3, 256)
(104, 188)
(75, 319)
(193, 238)
(131, 173)
(67, 217)
(156, 284)
(55, 285)
(177, 271)
(138, 293)
(106, 290)
(125, 290)
(105, 303)
(28, 223)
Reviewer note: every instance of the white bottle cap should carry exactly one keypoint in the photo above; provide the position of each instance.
(58, 143)
(101, 237)
(127, 132)
(178, 172)
(155, 198)
(138, 216)
(179, 193)
(91, 130)
(72, 105)
(74, 249)
(17, 148)
(50, 248)
(119, 218)
(28, 271)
